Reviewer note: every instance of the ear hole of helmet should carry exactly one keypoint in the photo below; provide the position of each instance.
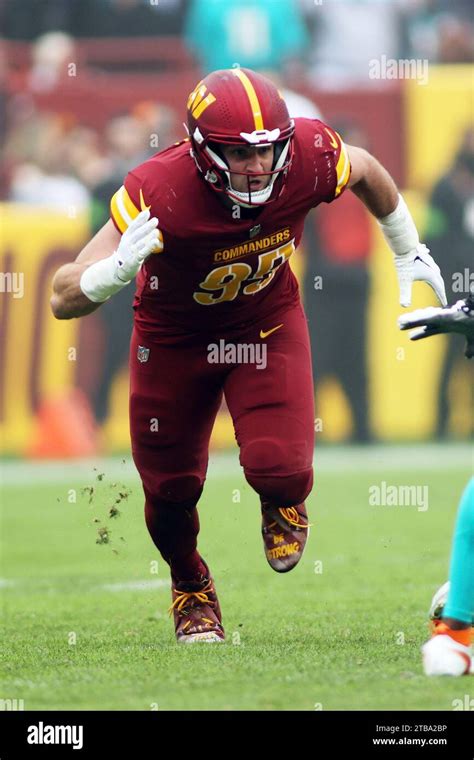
(278, 150)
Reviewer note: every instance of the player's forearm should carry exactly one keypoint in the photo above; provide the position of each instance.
(68, 300)
(376, 188)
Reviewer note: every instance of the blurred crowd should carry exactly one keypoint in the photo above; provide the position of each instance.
(436, 29)
(52, 158)
(326, 43)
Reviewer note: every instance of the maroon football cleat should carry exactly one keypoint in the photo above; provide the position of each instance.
(284, 531)
(197, 615)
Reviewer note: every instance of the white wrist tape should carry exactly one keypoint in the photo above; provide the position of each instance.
(399, 229)
(100, 280)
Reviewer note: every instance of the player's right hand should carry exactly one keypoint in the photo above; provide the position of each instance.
(418, 265)
(140, 240)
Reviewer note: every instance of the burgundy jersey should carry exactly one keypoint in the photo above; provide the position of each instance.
(222, 265)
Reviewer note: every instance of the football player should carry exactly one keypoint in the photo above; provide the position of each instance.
(207, 228)
(448, 652)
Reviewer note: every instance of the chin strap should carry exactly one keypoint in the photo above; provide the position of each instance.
(259, 196)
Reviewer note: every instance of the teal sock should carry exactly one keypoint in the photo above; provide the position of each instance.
(460, 602)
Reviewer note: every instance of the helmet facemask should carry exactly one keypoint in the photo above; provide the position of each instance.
(250, 198)
(210, 160)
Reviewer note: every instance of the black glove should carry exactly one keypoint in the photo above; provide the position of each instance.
(458, 318)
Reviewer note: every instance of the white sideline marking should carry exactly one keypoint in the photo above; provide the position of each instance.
(327, 459)
(135, 585)
(7, 582)
(145, 585)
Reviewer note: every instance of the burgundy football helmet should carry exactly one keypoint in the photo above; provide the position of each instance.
(239, 107)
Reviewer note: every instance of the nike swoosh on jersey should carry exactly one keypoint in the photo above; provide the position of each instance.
(268, 332)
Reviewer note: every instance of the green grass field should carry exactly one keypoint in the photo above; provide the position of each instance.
(342, 631)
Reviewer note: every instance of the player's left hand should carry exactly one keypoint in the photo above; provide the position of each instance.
(419, 265)
(434, 320)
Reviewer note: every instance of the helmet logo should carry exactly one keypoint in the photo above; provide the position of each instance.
(261, 135)
(198, 101)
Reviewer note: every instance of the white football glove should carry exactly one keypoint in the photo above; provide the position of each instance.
(418, 265)
(106, 277)
(139, 240)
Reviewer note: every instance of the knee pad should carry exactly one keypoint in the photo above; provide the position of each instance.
(275, 473)
(283, 490)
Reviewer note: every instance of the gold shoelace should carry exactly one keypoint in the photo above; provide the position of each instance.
(292, 516)
(184, 597)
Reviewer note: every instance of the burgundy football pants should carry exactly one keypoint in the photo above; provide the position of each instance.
(175, 394)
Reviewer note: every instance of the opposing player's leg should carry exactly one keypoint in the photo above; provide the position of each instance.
(448, 652)
(272, 406)
(174, 397)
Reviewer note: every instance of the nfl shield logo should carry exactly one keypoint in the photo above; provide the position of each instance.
(143, 354)
(255, 230)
